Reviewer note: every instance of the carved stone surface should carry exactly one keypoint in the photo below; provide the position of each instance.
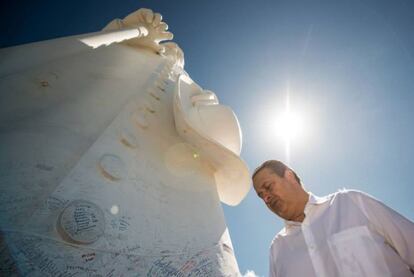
(112, 167)
(81, 222)
(174, 52)
(94, 177)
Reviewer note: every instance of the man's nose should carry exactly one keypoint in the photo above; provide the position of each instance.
(266, 198)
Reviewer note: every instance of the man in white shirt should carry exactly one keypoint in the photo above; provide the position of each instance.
(347, 233)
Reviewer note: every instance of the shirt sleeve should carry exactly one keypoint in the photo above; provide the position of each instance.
(397, 230)
(272, 264)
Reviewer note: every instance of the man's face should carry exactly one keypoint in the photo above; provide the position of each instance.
(279, 194)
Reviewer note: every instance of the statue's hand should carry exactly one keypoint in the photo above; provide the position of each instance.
(157, 30)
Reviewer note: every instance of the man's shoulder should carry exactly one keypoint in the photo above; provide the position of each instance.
(349, 197)
(279, 236)
(346, 194)
(351, 194)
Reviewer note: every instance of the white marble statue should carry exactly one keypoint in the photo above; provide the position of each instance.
(113, 160)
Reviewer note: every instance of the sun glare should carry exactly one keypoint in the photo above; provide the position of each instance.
(289, 127)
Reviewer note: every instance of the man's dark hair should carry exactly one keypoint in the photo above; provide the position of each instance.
(277, 167)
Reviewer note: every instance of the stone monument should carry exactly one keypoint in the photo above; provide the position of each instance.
(113, 160)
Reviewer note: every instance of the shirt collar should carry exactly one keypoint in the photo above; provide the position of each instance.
(313, 200)
(316, 200)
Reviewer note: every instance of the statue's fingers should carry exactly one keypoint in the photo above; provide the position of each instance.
(162, 27)
(149, 16)
(132, 18)
(166, 36)
(157, 20)
(156, 47)
(142, 14)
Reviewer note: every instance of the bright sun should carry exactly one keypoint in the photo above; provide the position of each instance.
(289, 126)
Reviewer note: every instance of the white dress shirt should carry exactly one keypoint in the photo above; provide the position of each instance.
(348, 233)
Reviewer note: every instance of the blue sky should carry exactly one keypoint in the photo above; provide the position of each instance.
(349, 66)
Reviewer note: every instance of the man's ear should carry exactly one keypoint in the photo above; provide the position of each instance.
(289, 175)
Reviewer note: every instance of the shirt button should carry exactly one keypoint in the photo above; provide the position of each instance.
(312, 247)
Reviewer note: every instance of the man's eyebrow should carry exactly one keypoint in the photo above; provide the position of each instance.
(260, 188)
(265, 183)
